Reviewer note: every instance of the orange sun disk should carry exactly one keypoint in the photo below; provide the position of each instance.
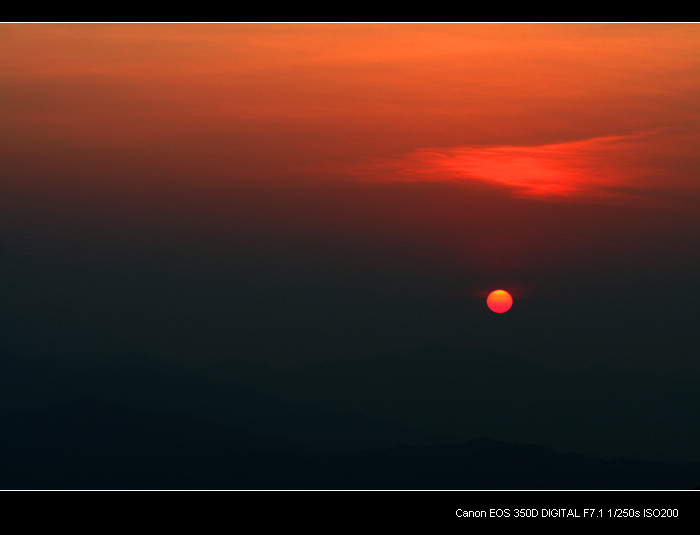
(499, 301)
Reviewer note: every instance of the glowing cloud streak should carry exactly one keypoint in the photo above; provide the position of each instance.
(600, 168)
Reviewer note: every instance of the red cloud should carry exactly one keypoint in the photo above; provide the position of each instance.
(600, 168)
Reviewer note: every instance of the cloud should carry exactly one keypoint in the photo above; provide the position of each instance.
(599, 168)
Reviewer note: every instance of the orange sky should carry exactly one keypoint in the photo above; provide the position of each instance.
(250, 101)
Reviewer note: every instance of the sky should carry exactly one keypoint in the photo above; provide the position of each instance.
(292, 193)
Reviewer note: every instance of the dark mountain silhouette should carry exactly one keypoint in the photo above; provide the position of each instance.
(150, 385)
(89, 444)
(392, 422)
(461, 395)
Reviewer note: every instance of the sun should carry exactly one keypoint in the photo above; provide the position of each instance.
(499, 301)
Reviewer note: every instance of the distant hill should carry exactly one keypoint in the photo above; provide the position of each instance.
(153, 386)
(462, 395)
(89, 444)
(402, 421)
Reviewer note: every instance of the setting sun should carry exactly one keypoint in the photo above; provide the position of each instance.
(499, 301)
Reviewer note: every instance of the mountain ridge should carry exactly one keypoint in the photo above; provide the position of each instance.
(91, 444)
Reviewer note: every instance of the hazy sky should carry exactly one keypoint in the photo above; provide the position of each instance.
(291, 192)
